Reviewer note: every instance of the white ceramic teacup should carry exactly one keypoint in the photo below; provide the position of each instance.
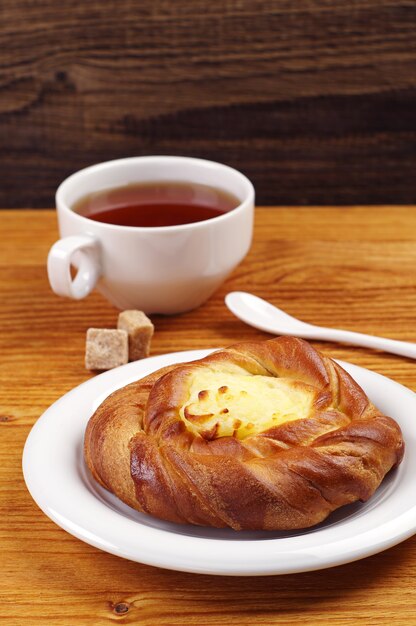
(166, 269)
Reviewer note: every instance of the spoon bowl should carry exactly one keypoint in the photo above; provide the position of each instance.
(263, 315)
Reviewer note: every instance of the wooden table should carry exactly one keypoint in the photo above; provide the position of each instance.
(349, 267)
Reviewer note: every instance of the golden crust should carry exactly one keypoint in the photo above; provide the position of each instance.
(288, 476)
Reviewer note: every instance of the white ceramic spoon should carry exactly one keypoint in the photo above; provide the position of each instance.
(263, 315)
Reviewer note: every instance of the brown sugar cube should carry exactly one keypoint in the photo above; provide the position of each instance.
(106, 348)
(140, 331)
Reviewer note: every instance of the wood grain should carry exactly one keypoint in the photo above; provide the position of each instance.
(352, 267)
(313, 100)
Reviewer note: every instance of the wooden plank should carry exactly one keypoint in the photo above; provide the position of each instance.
(313, 100)
(344, 267)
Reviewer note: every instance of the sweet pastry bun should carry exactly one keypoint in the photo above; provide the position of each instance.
(270, 435)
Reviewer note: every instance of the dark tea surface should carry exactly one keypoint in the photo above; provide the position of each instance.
(156, 204)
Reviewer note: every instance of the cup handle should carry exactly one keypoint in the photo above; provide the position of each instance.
(83, 251)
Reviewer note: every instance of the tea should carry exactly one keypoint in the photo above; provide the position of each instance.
(156, 204)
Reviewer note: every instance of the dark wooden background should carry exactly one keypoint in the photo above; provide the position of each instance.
(314, 100)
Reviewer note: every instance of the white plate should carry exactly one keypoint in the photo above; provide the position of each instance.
(58, 481)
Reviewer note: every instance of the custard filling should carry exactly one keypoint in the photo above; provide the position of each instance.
(223, 404)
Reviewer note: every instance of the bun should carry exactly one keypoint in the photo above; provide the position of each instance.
(269, 435)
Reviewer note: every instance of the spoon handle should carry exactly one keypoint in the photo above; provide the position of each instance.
(404, 348)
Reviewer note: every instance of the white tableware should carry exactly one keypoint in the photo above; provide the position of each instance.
(265, 316)
(59, 482)
(165, 269)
